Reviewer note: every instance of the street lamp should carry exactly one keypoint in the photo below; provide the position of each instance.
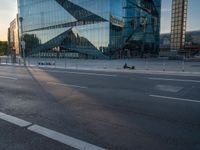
(22, 40)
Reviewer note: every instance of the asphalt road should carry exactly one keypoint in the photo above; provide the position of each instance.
(67, 109)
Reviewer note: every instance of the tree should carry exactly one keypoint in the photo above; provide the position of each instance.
(31, 42)
(3, 48)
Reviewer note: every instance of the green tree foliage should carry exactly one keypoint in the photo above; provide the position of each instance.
(31, 42)
(3, 48)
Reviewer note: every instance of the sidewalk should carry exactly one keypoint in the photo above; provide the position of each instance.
(147, 66)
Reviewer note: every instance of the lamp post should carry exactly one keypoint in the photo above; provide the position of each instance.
(22, 40)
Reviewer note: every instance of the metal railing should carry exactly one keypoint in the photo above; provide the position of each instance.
(89, 64)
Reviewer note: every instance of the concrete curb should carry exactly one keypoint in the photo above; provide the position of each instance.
(197, 74)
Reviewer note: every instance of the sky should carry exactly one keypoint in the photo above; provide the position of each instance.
(8, 10)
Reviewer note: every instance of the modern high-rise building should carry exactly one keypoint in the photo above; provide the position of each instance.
(178, 24)
(90, 28)
(13, 36)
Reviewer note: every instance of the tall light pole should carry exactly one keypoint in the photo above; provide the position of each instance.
(22, 40)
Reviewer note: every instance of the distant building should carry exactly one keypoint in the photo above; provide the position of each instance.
(9, 40)
(13, 36)
(178, 24)
(91, 28)
(191, 46)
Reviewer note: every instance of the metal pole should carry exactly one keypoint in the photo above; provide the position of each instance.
(65, 60)
(22, 39)
(164, 65)
(183, 65)
(146, 64)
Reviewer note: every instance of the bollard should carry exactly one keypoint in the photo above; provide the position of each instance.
(183, 66)
(146, 64)
(65, 63)
(55, 63)
(76, 64)
(164, 66)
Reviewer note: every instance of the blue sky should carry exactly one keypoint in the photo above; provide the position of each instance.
(8, 10)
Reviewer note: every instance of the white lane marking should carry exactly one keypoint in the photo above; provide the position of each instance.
(14, 120)
(11, 78)
(95, 74)
(179, 80)
(168, 88)
(67, 140)
(67, 85)
(80, 73)
(175, 98)
(4, 69)
(70, 141)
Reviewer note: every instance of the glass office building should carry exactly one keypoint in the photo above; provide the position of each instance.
(91, 28)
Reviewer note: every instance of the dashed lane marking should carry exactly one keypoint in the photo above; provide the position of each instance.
(14, 120)
(79, 73)
(7, 77)
(67, 140)
(178, 80)
(67, 85)
(54, 135)
(175, 98)
(168, 88)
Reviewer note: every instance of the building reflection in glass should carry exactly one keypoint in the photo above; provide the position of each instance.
(93, 28)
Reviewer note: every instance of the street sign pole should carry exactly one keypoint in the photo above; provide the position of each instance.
(23, 46)
(22, 40)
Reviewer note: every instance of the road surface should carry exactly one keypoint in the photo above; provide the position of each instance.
(71, 109)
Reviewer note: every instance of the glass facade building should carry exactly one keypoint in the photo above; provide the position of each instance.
(91, 28)
(13, 36)
(178, 24)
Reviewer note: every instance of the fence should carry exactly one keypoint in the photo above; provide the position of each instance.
(140, 64)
